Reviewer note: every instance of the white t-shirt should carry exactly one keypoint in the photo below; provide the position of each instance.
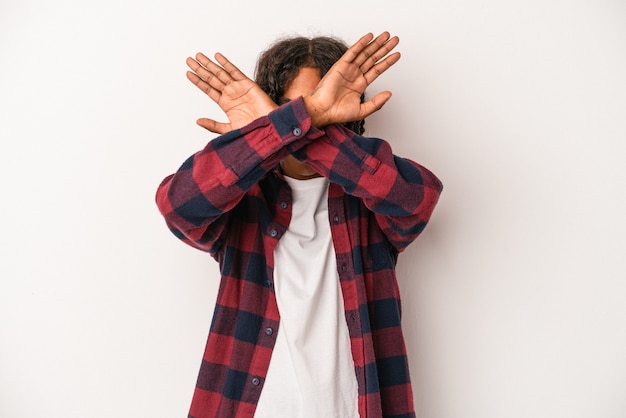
(311, 372)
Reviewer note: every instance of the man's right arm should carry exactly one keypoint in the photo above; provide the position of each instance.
(197, 199)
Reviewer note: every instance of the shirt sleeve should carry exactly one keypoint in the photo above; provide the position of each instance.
(401, 193)
(197, 199)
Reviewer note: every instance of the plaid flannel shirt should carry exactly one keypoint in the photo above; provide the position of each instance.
(231, 200)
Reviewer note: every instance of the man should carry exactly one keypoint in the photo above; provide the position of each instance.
(306, 219)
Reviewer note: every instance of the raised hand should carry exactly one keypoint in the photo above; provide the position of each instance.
(238, 96)
(337, 98)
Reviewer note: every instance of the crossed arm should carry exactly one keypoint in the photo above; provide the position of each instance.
(197, 200)
(336, 99)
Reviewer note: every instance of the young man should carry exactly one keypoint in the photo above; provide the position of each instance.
(306, 218)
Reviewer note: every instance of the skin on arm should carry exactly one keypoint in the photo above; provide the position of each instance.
(336, 99)
(238, 96)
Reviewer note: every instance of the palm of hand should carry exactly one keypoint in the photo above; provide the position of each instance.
(243, 101)
(339, 93)
(239, 97)
(337, 99)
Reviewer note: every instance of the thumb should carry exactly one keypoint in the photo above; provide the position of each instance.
(213, 126)
(374, 104)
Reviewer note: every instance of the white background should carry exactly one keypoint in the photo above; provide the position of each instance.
(514, 297)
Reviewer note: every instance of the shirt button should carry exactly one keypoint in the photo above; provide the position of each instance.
(344, 267)
(269, 331)
(336, 219)
(256, 381)
(283, 205)
(297, 131)
(268, 283)
(273, 233)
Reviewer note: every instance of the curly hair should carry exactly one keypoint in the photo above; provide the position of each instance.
(278, 65)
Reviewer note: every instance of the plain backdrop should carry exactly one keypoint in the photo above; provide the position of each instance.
(514, 297)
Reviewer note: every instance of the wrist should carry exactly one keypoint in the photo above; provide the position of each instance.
(318, 117)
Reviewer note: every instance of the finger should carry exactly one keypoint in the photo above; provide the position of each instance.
(373, 73)
(213, 93)
(213, 126)
(352, 52)
(374, 104)
(214, 69)
(205, 75)
(381, 52)
(371, 48)
(234, 72)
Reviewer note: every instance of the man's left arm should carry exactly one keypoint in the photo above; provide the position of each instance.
(401, 193)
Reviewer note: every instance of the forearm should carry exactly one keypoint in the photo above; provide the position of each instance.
(195, 199)
(401, 193)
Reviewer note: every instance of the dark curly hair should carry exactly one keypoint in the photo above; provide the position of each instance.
(278, 65)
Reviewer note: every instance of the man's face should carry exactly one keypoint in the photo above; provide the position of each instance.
(303, 84)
